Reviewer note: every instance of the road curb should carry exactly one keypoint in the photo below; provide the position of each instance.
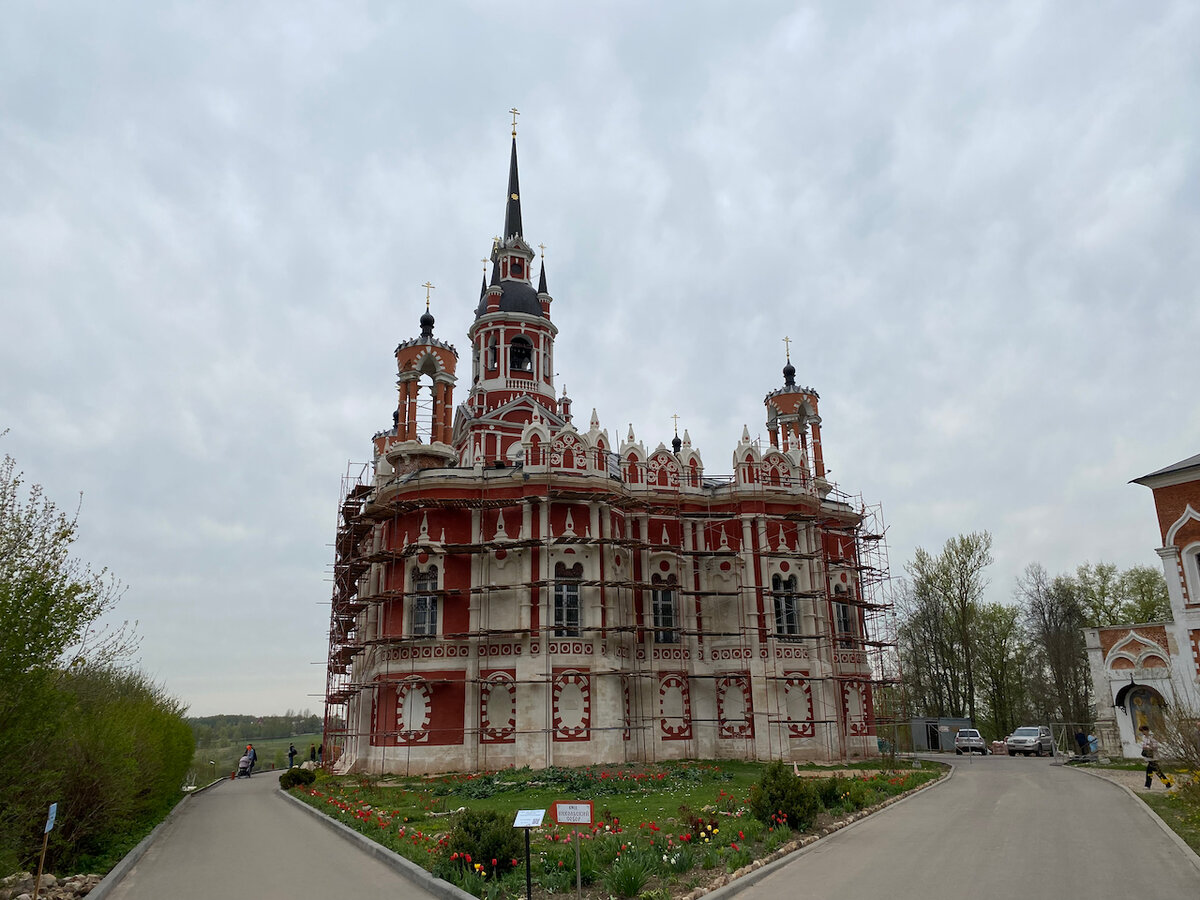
(389, 858)
(752, 878)
(1188, 852)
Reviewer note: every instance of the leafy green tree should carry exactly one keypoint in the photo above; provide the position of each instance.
(1002, 649)
(1144, 593)
(78, 730)
(938, 610)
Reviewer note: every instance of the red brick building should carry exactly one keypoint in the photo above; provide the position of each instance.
(511, 588)
(1143, 666)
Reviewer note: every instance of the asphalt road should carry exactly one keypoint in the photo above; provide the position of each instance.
(1001, 828)
(241, 839)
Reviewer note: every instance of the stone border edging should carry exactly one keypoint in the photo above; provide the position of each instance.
(130, 859)
(749, 875)
(1188, 852)
(389, 858)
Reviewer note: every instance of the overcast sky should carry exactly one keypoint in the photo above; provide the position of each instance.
(978, 223)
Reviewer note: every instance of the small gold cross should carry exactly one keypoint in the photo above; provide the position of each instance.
(428, 287)
(676, 418)
(542, 247)
(787, 344)
(515, 112)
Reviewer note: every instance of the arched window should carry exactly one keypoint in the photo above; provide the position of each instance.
(520, 355)
(493, 356)
(566, 599)
(662, 605)
(424, 605)
(787, 619)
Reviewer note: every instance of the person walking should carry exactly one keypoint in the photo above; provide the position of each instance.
(253, 754)
(321, 755)
(291, 755)
(312, 753)
(1150, 753)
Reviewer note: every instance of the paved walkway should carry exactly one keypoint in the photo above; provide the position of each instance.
(1002, 827)
(241, 839)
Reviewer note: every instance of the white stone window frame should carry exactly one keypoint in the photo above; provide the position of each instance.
(786, 604)
(664, 608)
(1190, 557)
(845, 627)
(423, 598)
(566, 597)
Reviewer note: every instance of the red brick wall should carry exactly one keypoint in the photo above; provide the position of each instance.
(1171, 502)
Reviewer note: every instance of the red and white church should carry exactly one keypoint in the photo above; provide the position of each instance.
(512, 588)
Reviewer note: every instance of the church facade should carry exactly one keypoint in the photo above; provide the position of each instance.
(512, 587)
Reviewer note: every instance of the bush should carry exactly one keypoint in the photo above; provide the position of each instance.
(296, 776)
(830, 791)
(779, 793)
(480, 836)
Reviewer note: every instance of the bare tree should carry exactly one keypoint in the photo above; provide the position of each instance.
(1055, 613)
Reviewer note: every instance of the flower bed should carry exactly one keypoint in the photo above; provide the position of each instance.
(661, 831)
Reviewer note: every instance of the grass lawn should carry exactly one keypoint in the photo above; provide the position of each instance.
(272, 751)
(659, 830)
(1180, 813)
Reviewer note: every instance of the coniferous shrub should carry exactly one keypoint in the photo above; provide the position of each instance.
(485, 838)
(296, 776)
(780, 793)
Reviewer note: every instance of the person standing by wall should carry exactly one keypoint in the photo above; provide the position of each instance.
(291, 755)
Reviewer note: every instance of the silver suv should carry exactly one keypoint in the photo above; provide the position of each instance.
(969, 740)
(1030, 739)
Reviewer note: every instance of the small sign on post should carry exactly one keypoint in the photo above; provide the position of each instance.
(50, 817)
(528, 818)
(577, 813)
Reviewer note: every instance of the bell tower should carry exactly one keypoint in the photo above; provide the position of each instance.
(420, 438)
(793, 421)
(512, 347)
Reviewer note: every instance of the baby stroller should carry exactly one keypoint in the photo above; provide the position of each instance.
(244, 767)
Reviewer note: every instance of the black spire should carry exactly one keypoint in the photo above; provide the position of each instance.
(789, 374)
(483, 287)
(676, 443)
(512, 209)
(427, 324)
(542, 279)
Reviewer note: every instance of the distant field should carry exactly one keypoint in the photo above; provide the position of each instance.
(272, 752)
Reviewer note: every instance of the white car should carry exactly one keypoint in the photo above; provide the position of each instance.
(1030, 740)
(969, 740)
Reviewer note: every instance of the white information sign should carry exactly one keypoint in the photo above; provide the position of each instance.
(573, 813)
(529, 818)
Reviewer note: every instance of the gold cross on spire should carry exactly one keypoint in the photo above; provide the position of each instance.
(515, 112)
(787, 345)
(542, 247)
(485, 262)
(676, 418)
(428, 287)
